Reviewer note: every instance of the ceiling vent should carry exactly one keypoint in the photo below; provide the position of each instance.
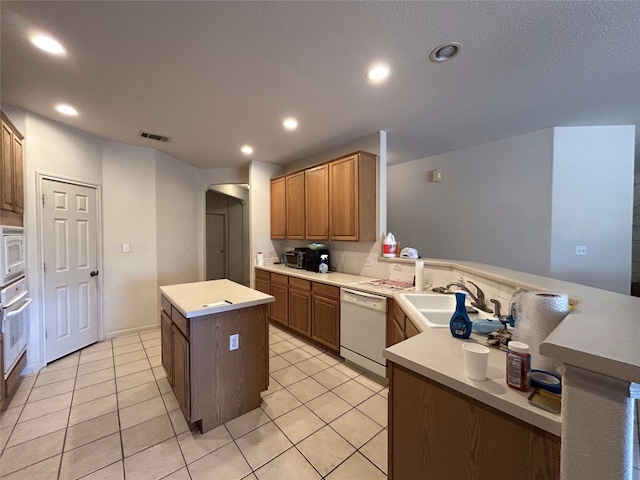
(153, 136)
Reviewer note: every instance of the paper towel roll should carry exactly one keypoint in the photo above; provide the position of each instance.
(260, 259)
(419, 275)
(539, 313)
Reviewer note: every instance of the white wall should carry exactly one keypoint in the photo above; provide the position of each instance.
(149, 200)
(129, 211)
(593, 205)
(524, 203)
(492, 206)
(260, 211)
(54, 149)
(177, 221)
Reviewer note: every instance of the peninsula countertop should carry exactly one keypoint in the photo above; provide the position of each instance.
(214, 296)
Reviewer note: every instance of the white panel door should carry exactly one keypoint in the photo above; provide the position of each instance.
(70, 267)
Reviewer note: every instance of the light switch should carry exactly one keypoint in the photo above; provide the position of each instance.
(125, 248)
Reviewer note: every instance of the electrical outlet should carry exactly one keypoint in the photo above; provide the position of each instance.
(368, 262)
(234, 341)
(581, 249)
(397, 266)
(125, 248)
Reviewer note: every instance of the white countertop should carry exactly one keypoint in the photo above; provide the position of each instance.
(336, 279)
(195, 299)
(437, 355)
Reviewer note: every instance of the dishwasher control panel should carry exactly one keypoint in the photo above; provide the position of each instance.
(367, 300)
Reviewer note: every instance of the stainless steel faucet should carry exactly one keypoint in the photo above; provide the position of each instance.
(478, 298)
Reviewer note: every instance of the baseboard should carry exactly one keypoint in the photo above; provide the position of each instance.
(130, 331)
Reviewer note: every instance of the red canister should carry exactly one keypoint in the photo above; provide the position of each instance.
(518, 366)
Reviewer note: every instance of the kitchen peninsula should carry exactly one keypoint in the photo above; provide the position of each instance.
(215, 349)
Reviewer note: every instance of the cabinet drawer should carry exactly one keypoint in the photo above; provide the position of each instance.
(299, 283)
(279, 278)
(262, 274)
(180, 321)
(166, 305)
(326, 290)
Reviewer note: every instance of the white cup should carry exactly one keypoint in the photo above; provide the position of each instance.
(475, 360)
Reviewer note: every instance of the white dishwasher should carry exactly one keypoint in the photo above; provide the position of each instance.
(363, 329)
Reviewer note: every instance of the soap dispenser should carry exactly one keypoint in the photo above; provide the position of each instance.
(460, 324)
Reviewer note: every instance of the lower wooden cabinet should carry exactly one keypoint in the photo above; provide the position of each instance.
(180, 359)
(300, 305)
(167, 345)
(399, 326)
(280, 308)
(438, 433)
(311, 309)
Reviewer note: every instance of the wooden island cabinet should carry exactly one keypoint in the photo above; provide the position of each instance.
(212, 382)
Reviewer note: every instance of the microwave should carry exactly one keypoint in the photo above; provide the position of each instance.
(12, 253)
(295, 258)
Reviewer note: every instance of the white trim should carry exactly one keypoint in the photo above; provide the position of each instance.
(40, 177)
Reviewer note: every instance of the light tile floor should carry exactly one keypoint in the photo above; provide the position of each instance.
(108, 412)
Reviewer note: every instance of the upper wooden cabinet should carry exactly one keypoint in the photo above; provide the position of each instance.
(295, 206)
(317, 202)
(11, 174)
(278, 208)
(352, 198)
(332, 201)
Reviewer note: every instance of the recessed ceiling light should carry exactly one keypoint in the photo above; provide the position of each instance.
(290, 123)
(378, 73)
(66, 109)
(445, 52)
(247, 150)
(48, 44)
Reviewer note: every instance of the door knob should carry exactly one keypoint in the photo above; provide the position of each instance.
(94, 273)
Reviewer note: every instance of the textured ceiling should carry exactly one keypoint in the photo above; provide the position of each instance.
(216, 75)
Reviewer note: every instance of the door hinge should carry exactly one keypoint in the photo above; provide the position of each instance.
(43, 199)
(46, 334)
(44, 267)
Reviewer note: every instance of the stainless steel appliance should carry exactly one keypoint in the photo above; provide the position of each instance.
(363, 327)
(12, 253)
(312, 259)
(14, 322)
(295, 258)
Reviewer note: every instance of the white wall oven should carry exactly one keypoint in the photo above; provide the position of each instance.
(14, 322)
(12, 253)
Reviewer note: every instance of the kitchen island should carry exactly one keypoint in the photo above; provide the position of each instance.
(215, 349)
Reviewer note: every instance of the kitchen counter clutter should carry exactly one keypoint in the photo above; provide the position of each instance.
(215, 349)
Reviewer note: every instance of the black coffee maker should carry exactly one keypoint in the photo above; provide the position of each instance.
(312, 259)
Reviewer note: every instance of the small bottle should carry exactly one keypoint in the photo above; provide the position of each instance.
(518, 366)
(389, 246)
(460, 324)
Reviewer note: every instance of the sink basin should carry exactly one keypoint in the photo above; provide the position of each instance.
(436, 309)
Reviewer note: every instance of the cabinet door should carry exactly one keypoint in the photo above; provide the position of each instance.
(410, 329)
(295, 206)
(278, 209)
(180, 362)
(325, 326)
(280, 307)
(343, 199)
(166, 342)
(300, 311)
(397, 334)
(317, 202)
(18, 189)
(6, 169)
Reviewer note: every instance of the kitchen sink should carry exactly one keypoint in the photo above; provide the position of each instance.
(436, 309)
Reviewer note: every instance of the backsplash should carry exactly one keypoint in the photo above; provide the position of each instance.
(351, 257)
